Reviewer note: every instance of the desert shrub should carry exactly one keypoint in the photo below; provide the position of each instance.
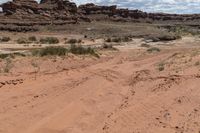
(8, 65)
(80, 50)
(163, 38)
(79, 40)
(36, 66)
(108, 40)
(182, 30)
(49, 40)
(72, 41)
(19, 54)
(167, 38)
(119, 39)
(153, 49)
(116, 39)
(3, 56)
(107, 46)
(126, 39)
(60, 51)
(32, 39)
(154, 39)
(5, 39)
(145, 45)
(22, 41)
(12, 55)
(161, 67)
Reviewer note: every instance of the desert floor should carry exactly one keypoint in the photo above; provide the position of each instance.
(125, 91)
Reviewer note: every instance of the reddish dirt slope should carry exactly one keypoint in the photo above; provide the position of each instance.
(122, 92)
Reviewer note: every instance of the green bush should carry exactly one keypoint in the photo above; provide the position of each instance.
(80, 50)
(5, 39)
(32, 39)
(60, 51)
(49, 40)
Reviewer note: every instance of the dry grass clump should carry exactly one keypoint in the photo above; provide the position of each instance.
(12, 55)
(7, 65)
(109, 47)
(153, 49)
(168, 37)
(161, 67)
(49, 40)
(22, 40)
(80, 50)
(32, 39)
(145, 45)
(60, 51)
(28, 40)
(184, 30)
(5, 39)
(74, 41)
(118, 39)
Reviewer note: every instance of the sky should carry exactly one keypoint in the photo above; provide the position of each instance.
(167, 6)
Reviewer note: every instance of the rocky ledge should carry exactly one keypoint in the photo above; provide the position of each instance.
(128, 15)
(28, 13)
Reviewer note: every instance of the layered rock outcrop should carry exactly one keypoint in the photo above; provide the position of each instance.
(113, 11)
(16, 6)
(50, 7)
(30, 13)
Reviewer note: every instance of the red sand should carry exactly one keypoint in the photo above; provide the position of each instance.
(123, 92)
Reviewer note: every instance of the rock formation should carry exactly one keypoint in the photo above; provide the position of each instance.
(113, 11)
(29, 6)
(30, 13)
(50, 7)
